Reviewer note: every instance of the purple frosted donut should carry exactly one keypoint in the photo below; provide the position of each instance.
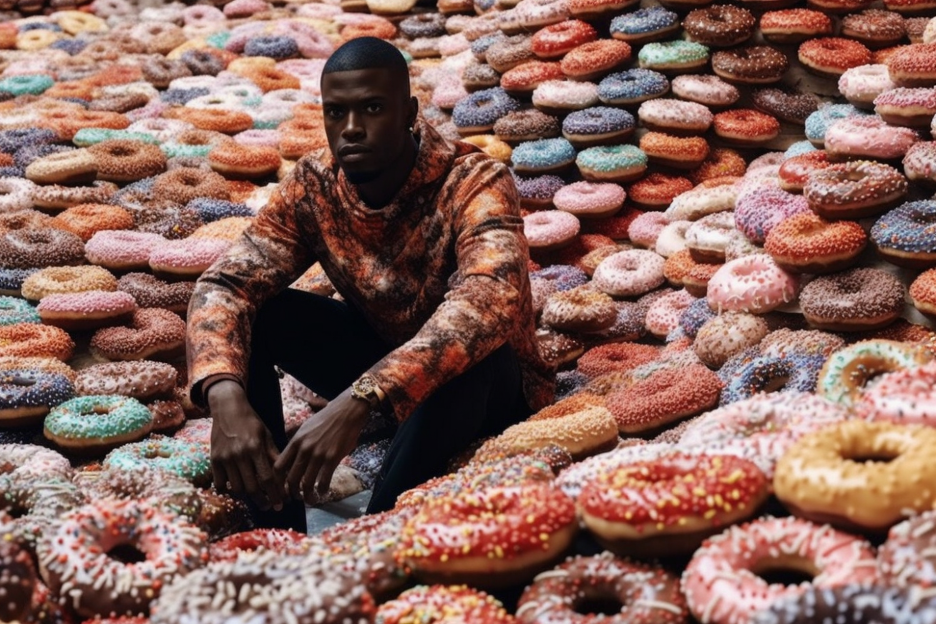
(274, 46)
(644, 23)
(478, 112)
(11, 280)
(538, 191)
(907, 231)
(215, 209)
(695, 316)
(479, 46)
(202, 63)
(758, 210)
(562, 276)
(598, 121)
(12, 140)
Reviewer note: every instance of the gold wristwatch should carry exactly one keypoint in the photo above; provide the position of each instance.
(366, 389)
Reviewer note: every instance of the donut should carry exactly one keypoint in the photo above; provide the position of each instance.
(140, 380)
(187, 258)
(598, 125)
(585, 432)
(745, 127)
(121, 160)
(88, 309)
(906, 557)
(186, 185)
(477, 113)
(558, 97)
(750, 65)
(869, 495)
(14, 310)
(58, 197)
(725, 335)
(719, 25)
(579, 310)
(543, 156)
(189, 460)
(168, 221)
(657, 190)
(615, 163)
(794, 171)
(645, 593)
(151, 292)
(848, 370)
(855, 189)
(151, 334)
(832, 56)
(734, 558)
(629, 273)
(502, 554)
(707, 90)
(752, 284)
(787, 372)
(74, 558)
(440, 603)
(595, 59)
(159, 488)
(87, 219)
(474, 77)
(526, 125)
(673, 57)
(632, 87)
(918, 163)
(760, 210)
(901, 397)
(923, 292)
(854, 300)
(550, 229)
(707, 238)
(555, 40)
(68, 167)
(34, 340)
(120, 250)
(18, 581)
(27, 395)
(791, 26)
(805, 243)
(622, 506)
(912, 66)
(902, 235)
(861, 85)
(874, 28)
(620, 357)
(40, 247)
(787, 105)
(644, 25)
(590, 200)
(904, 106)
(854, 603)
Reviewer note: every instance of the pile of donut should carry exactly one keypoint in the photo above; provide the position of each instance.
(744, 413)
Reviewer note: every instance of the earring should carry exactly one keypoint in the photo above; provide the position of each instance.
(411, 129)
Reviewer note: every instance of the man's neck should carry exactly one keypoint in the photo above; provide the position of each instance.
(378, 193)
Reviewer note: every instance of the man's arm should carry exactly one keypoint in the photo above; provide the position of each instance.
(264, 260)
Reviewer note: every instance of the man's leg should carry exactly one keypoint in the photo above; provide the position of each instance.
(482, 401)
(322, 342)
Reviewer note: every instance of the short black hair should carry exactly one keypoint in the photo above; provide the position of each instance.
(367, 53)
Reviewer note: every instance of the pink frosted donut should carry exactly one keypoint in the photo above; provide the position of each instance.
(759, 210)
(187, 258)
(449, 91)
(550, 229)
(920, 162)
(721, 584)
(565, 95)
(450, 45)
(705, 89)
(906, 397)
(675, 116)
(645, 229)
(868, 137)
(244, 8)
(89, 309)
(258, 138)
(860, 85)
(761, 428)
(629, 273)
(664, 313)
(122, 250)
(751, 284)
(312, 44)
(319, 11)
(590, 199)
(903, 106)
(202, 15)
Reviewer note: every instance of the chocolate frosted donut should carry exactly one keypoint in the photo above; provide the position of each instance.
(849, 604)
(152, 292)
(526, 125)
(751, 65)
(720, 25)
(906, 558)
(423, 25)
(858, 299)
(40, 247)
(791, 106)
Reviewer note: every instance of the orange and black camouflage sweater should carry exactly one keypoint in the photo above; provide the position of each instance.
(440, 273)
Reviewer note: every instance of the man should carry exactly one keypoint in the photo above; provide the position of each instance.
(423, 240)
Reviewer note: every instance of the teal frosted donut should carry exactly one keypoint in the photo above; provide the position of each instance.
(189, 460)
(92, 136)
(14, 310)
(543, 156)
(844, 375)
(29, 84)
(673, 56)
(96, 423)
(612, 163)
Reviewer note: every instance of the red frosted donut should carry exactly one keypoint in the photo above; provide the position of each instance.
(440, 603)
(668, 506)
(657, 190)
(620, 357)
(832, 56)
(524, 78)
(151, 334)
(795, 171)
(664, 397)
(282, 541)
(89, 309)
(556, 40)
(805, 243)
(34, 340)
(593, 60)
(596, 9)
(794, 25)
(913, 65)
(746, 126)
(720, 163)
(492, 538)
(187, 258)
(86, 220)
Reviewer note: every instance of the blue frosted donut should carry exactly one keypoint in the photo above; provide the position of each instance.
(479, 46)
(15, 310)
(71, 46)
(792, 371)
(29, 84)
(632, 86)
(189, 460)
(818, 122)
(97, 421)
(11, 280)
(12, 140)
(543, 155)
(643, 22)
(273, 46)
(695, 316)
(26, 395)
(598, 120)
(27, 154)
(798, 149)
(183, 96)
(563, 276)
(609, 158)
(39, 26)
(479, 111)
(908, 229)
(214, 209)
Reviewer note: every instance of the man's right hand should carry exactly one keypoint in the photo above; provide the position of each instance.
(242, 448)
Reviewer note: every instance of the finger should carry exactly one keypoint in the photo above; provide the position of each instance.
(296, 470)
(249, 476)
(235, 483)
(285, 459)
(325, 477)
(268, 482)
(308, 481)
(219, 476)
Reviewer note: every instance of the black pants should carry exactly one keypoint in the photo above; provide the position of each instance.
(326, 345)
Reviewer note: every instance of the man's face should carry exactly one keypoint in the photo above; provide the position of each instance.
(367, 118)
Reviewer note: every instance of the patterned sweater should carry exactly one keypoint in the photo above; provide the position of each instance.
(440, 273)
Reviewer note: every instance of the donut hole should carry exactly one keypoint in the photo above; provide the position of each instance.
(599, 604)
(127, 554)
(867, 456)
(776, 383)
(122, 151)
(781, 575)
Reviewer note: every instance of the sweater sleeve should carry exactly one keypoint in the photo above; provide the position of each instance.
(482, 308)
(270, 255)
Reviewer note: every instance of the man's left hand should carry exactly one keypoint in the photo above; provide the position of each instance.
(314, 453)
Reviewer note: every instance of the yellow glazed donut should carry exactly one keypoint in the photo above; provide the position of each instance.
(859, 475)
(74, 22)
(35, 40)
(491, 145)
